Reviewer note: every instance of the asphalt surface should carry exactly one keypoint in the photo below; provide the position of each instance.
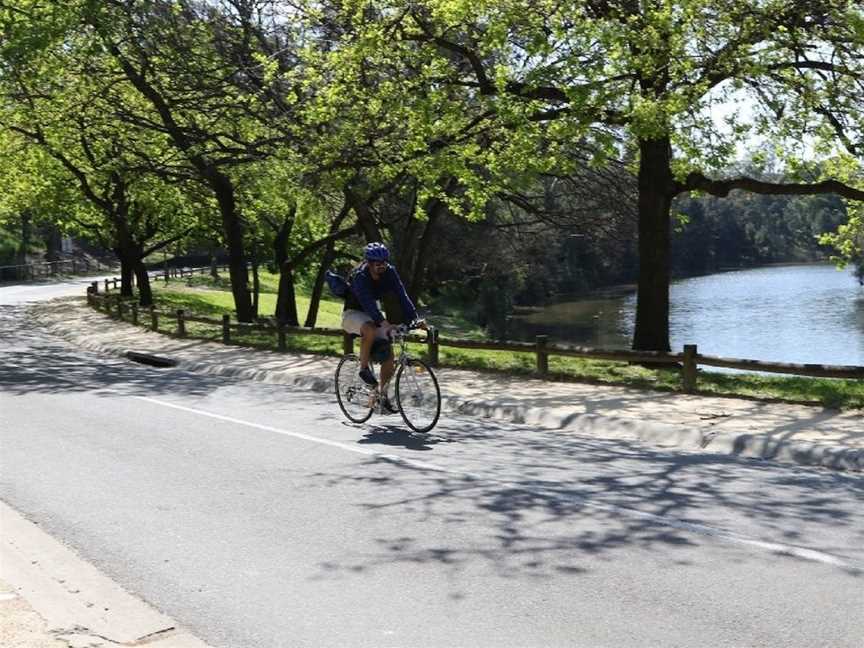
(255, 516)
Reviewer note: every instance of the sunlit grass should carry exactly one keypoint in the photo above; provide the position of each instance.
(830, 392)
(215, 302)
(844, 394)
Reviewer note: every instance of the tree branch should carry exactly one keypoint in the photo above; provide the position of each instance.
(315, 245)
(698, 182)
(166, 243)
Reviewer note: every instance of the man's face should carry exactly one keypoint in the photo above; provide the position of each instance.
(377, 268)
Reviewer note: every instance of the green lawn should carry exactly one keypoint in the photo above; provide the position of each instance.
(204, 298)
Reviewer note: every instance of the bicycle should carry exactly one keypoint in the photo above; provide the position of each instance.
(418, 398)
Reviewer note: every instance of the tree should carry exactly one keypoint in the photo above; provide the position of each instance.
(51, 103)
(633, 80)
(34, 192)
(166, 51)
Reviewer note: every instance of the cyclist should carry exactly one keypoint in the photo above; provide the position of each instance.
(372, 279)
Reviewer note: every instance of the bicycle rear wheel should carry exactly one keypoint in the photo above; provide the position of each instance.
(418, 396)
(354, 396)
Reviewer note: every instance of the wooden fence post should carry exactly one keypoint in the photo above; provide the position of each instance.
(135, 314)
(181, 323)
(106, 285)
(542, 356)
(119, 307)
(154, 319)
(280, 331)
(347, 344)
(226, 329)
(432, 344)
(688, 371)
(94, 287)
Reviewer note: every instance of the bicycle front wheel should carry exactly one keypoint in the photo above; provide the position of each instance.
(353, 394)
(417, 395)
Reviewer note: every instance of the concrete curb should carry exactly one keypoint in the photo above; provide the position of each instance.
(79, 604)
(664, 435)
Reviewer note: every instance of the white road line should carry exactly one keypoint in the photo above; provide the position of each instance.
(701, 529)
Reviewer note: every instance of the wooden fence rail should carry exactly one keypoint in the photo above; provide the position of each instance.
(32, 271)
(688, 361)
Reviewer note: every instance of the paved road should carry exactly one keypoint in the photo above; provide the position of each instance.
(255, 516)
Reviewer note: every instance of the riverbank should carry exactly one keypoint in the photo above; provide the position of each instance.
(839, 394)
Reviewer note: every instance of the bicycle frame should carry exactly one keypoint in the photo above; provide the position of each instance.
(409, 389)
(399, 337)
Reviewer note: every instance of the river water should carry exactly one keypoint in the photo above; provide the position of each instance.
(796, 313)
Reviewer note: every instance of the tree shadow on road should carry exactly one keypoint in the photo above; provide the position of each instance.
(542, 503)
(34, 363)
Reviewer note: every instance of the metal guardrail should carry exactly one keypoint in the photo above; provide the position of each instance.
(688, 361)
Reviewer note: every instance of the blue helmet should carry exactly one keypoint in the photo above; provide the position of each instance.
(376, 252)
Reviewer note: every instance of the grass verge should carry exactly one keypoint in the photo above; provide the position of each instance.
(210, 302)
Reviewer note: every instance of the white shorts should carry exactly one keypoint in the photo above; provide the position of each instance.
(353, 321)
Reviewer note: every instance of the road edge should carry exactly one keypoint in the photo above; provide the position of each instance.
(658, 434)
(79, 604)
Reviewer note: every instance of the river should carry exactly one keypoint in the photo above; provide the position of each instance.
(810, 313)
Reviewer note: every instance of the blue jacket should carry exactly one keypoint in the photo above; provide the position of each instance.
(365, 292)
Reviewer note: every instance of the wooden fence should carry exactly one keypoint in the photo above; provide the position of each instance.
(184, 272)
(31, 271)
(688, 361)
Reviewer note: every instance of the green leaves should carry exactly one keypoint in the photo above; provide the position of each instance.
(299, 97)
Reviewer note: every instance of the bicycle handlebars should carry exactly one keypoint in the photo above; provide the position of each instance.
(401, 330)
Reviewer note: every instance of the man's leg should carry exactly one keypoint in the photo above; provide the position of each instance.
(358, 323)
(367, 337)
(387, 369)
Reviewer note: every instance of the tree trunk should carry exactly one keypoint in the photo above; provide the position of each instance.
(214, 269)
(326, 262)
(365, 218)
(232, 226)
(424, 249)
(407, 251)
(21, 254)
(125, 249)
(127, 270)
(656, 190)
(286, 302)
(53, 242)
(256, 285)
(315, 298)
(145, 293)
(371, 232)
